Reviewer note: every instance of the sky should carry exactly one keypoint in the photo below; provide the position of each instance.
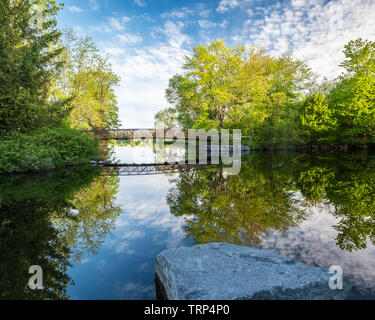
(147, 40)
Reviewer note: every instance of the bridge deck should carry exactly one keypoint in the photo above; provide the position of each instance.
(117, 134)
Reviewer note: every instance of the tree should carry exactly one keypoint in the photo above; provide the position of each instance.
(317, 118)
(180, 94)
(360, 58)
(27, 65)
(353, 99)
(87, 78)
(206, 92)
(252, 93)
(29, 235)
(167, 118)
(240, 89)
(288, 78)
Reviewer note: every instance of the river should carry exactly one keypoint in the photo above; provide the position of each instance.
(96, 232)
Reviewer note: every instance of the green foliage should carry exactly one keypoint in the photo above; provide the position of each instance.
(239, 89)
(46, 217)
(276, 100)
(87, 80)
(353, 102)
(347, 184)
(47, 86)
(238, 209)
(180, 93)
(28, 62)
(360, 58)
(345, 115)
(166, 118)
(45, 149)
(275, 191)
(317, 118)
(97, 211)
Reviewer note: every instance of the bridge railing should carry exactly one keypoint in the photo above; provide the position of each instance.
(116, 134)
(133, 133)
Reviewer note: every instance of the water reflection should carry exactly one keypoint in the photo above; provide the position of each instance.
(51, 220)
(96, 234)
(150, 151)
(318, 209)
(238, 209)
(274, 192)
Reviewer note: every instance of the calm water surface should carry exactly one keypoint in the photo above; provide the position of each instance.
(96, 233)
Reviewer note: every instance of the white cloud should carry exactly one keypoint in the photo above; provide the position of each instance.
(117, 24)
(130, 38)
(202, 10)
(178, 13)
(74, 9)
(205, 24)
(151, 211)
(226, 5)
(134, 291)
(250, 12)
(316, 31)
(114, 25)
(134, 234)
(120, 248)
(114, 51)
(145, 73)
(204, 13)
(94, 5)
(223, 24)
(140, 3)
(314, 242)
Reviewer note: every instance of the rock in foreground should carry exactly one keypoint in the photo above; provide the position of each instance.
(227, 272)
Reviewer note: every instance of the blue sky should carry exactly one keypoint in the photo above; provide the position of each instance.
(148, 39)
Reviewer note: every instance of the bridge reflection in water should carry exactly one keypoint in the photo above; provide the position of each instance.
(136, 169)
(151, 169)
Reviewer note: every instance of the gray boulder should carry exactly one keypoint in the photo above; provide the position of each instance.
(229, 272)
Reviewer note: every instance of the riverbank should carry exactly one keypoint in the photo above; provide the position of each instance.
(46, 149)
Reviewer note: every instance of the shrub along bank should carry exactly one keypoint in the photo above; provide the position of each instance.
(46, 149)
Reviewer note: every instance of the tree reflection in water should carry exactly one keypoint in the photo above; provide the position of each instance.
(273, 192)
(238, 209)
(51, 220)
(347, 184)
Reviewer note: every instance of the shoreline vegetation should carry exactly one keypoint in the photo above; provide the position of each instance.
(53, 86)
(46, 149)
(277, 101)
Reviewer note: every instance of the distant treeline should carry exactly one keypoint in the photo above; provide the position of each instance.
(278, 101)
